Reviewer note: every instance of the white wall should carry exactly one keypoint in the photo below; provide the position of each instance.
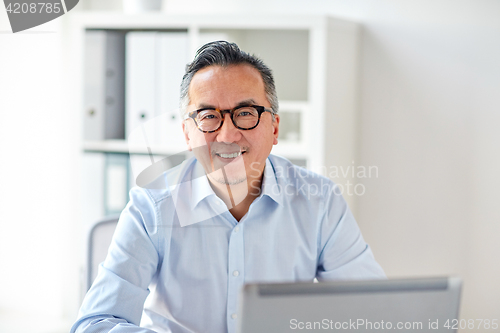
(37, 180)
(430, 76)
(429, 105)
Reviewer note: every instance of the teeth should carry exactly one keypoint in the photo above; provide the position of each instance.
(233, 155)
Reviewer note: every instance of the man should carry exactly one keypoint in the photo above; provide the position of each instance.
(186, 243)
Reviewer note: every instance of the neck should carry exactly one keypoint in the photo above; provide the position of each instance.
(238, 197)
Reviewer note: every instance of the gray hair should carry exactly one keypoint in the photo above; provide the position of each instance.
(222, 53)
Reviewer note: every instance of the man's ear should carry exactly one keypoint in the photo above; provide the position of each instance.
(276, 128)
(185, 130)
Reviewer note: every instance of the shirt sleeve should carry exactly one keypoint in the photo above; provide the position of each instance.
(344, 255)
(116, 299)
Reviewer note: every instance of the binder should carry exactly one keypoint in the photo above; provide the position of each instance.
(93, 165)
(116, 183)
(140, 80)
(104, 96)
(155, 66)
(106, 185)
(172, 57)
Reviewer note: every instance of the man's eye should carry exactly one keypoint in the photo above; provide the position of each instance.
(207, 116)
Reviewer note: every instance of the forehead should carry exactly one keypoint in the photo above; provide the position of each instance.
(224, 87)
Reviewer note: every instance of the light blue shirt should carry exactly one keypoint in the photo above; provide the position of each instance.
(178, 258)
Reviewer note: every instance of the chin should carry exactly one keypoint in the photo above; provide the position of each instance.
(230, 179)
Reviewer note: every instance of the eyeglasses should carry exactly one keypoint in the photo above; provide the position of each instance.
(209, 120)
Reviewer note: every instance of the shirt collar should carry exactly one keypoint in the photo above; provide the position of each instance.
(201, 188)
(270, 186)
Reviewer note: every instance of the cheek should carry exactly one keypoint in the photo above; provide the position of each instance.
(198, 139)
(262, 142)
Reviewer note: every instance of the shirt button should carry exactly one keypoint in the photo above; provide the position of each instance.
(217, 202)
(234, 316)
(236, 229)
(236, 273)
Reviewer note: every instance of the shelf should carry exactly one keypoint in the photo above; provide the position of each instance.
(122, 147)
(155, 21)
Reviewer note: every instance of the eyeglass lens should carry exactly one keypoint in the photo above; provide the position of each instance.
(245, 117)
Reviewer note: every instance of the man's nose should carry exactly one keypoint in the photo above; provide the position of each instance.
(228, 132)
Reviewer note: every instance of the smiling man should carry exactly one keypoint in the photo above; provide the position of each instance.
(233, 214)
(233, 144)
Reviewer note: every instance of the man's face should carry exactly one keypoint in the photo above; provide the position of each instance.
(242, 153)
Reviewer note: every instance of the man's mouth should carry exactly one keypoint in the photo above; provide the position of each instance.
(230, 155)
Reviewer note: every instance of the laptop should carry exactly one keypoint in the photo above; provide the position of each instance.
(395, 305)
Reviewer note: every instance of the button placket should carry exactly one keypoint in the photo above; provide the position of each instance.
(235, 274)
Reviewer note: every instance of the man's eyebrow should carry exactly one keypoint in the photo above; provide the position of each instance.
(246, 102)
(205, 106)
(242, 103)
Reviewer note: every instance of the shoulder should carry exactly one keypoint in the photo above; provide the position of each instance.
(155, 182)
(302, 180)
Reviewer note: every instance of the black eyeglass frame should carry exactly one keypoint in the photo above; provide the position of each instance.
(260, 111)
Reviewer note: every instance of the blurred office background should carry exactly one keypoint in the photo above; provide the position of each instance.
(428, 106)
